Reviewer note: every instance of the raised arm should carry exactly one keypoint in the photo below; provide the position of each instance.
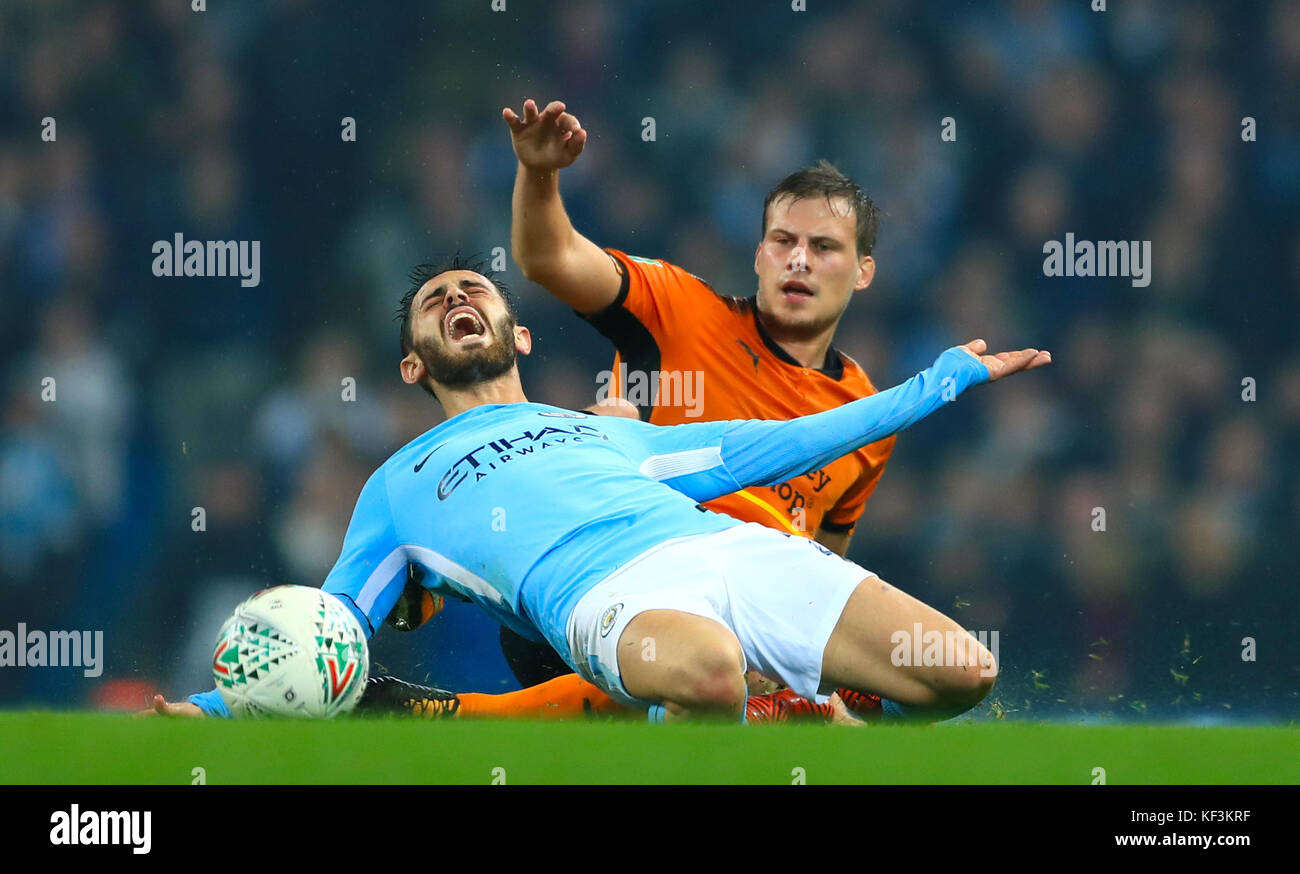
(543, 241)
(709, 459)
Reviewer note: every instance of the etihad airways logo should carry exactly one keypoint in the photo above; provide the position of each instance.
(481, 461)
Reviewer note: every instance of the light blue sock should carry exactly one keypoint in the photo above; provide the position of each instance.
(892, 710)
(895, 712)
(656, 713)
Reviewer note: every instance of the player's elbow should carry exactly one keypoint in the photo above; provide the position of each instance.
(553, 275)
(548, 266)
(533, 267)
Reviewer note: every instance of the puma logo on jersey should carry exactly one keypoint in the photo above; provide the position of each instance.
(752, 353)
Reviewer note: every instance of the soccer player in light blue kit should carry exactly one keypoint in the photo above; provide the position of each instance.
(586, 531)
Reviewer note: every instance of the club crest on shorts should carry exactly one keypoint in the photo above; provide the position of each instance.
(607, 619)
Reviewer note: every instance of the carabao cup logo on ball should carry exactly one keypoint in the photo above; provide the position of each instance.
(291, 651)
(341, 655)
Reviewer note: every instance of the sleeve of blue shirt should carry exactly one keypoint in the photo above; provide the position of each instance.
(368, 576)
(706, 460)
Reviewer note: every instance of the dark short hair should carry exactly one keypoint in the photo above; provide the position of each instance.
(422, 273)
(824, 179)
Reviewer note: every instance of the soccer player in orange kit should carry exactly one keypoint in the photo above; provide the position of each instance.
(685, 352)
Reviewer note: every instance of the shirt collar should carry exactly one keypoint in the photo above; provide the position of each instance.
(833, 366)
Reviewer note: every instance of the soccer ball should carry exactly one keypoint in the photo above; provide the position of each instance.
(291, 651)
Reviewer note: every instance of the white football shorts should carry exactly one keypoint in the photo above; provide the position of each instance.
(779, 594)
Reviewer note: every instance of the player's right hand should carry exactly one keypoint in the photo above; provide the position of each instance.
(549, 140)
(162, 707)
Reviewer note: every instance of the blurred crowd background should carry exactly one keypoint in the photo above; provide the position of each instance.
(225, 125)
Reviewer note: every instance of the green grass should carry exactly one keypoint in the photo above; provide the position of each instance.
(99, 748)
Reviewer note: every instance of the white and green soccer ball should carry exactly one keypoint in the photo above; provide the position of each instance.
(291, 651)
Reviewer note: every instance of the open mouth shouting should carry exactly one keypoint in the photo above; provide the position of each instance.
(462, 325)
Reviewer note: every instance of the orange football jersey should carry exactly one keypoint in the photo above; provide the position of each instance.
(688, 354)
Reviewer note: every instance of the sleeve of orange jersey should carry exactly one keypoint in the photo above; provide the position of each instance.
(638, 321)
(651, 291)
(844, 515)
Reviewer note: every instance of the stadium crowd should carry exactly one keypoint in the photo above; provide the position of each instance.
(1174, 408)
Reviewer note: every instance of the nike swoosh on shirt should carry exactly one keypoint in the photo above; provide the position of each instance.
(427, 457)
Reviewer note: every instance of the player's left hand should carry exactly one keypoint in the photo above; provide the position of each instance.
(1006, 363)
(163, 707)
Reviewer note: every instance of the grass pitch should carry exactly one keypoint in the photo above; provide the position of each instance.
(78, 748)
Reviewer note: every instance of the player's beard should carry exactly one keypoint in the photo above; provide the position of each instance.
(464, 369)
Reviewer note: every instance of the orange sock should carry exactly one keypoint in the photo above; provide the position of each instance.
(566, 697)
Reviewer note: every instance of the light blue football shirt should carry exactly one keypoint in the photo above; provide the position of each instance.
(523, 508)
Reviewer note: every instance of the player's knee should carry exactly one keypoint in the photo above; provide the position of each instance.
(967, 682)
(716, 681)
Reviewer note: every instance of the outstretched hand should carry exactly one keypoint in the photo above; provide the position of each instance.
(549, 140)
(1006, 363)
(162, 707)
